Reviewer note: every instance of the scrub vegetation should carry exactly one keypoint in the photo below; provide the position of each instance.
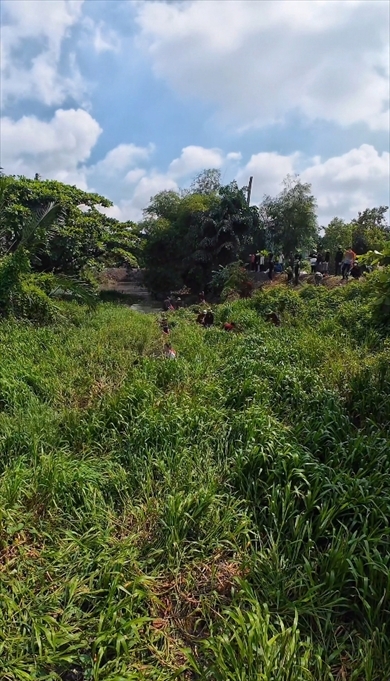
(224, 516)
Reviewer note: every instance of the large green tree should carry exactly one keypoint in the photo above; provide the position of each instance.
(188, 234)
(370, 230)
(83, 235)
(337, 233)
(289, 220)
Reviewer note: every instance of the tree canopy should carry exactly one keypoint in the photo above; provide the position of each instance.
(289, 220)
(84, 234)
(187, 235)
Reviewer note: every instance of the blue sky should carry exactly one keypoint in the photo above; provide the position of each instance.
(129, 98)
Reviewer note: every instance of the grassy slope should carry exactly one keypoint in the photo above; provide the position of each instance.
(224, 504)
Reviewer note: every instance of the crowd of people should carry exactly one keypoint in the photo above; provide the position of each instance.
(345, 264)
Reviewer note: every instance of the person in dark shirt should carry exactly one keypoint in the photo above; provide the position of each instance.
(209, 319)
(297, 268)
(271, 266)
(273, 318)
(338, 260)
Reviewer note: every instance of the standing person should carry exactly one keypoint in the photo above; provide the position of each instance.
(326, 262)
(297, 268)
(167, 304)
(313, 262)
(271, 265)
(338, 260)
(257, 262)
(262, 262)
(209, 319)
(348, 261)
(252, 265)
(281, 261)
(319, 262)
(179, 303)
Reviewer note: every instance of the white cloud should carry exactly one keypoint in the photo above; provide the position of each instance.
(194, 159)
(32, 35)
(105, 39)
(351, 182)
(148, 186)
(134, 175)
(57, 149)
(259, 60)
(268, 170)
(342, 185)
(121, 158)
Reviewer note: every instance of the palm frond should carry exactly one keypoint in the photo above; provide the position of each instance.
(64, 285)
(41, 223)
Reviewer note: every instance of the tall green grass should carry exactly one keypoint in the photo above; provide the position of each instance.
(224, 516)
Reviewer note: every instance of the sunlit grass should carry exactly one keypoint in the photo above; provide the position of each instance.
(224, 516)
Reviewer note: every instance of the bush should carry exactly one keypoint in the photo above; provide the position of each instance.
(32, 303)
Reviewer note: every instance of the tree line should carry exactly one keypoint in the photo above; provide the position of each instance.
(183, 237)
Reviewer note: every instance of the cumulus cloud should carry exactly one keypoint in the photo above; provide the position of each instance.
(268, 170)
(350, 183)
(342, 185)
(194, 159)
(260, 60)
(57, 149)
(121, 158)
(32, 37)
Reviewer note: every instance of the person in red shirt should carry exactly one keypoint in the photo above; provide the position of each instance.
(229, 326)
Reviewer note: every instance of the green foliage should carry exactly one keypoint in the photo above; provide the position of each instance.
(79, 231)
(22, 294)
(337, 233)
(224, 516)
(232, 280)
(368, 232)
(289, 221)
(188, 235)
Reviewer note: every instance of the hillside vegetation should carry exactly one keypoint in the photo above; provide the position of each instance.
(224, 516)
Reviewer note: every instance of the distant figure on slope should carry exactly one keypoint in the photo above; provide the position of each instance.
(297, 268)
(209, 319)
(349, 259)
(164, 326)
(356, 271)
(201, 316)
(325, 269)
(271, 266)
(167, 305)
(273, 318)
(338, 260)
(252, 264)
(229, 326)
(169, 352)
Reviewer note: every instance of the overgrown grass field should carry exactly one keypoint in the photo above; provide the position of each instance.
(221, 517)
